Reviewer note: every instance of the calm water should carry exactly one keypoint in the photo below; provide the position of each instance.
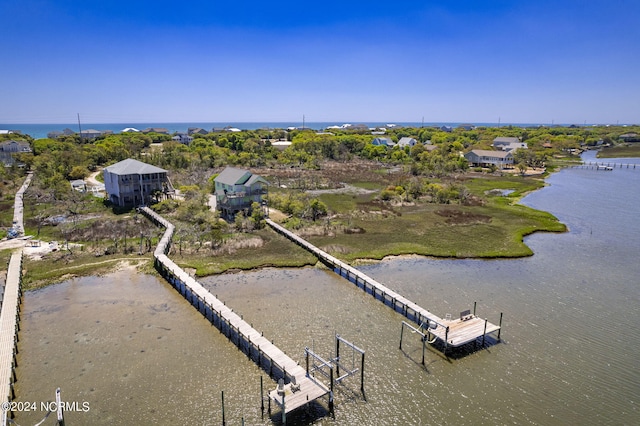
(139, 354)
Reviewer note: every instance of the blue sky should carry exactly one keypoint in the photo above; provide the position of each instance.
(518, 61)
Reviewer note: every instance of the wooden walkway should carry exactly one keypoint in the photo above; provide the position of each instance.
(249, 341)
(9, 317)
(18, 206)
(451, 332)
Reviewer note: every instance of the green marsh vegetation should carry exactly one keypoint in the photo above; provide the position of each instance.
(354, 199)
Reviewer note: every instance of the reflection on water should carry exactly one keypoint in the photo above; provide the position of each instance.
(140, 354)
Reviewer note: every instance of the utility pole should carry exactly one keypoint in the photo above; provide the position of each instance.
(79, 127)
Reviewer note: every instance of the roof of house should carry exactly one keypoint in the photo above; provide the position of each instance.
(489, 153)
(15, 146)
(506, 140)
(407, 141)
(235, 176)
(133, 167)
(383, 141)
(155, 130)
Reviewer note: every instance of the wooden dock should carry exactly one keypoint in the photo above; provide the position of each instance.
(299, 388)
(9, 326)
(451, 332)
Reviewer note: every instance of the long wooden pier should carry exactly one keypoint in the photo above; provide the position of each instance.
(9, 327)
(605, 165)
(452, 332)
(298, 388)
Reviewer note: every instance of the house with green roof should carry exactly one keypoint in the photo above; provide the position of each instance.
(132, 183)
(236, 189)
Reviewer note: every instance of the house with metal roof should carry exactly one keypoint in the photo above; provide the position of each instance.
(132, 183)
(236, 189)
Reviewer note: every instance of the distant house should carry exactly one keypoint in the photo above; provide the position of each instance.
(406, 141)
(236, 189)
(15, 146)
(132, 183)
(9, 148)
(93, 133)
(160, 130)
(56, 134)
(466, 127)
(508, 143)
(183, 138)
(447, 129)
(196, 131)
(486, 158)
(130, 130)
(383, 142)
(630, 137)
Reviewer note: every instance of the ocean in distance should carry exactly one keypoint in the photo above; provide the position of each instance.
(39, 131)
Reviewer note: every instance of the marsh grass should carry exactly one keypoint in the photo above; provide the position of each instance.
(620, 151)
(272, 250)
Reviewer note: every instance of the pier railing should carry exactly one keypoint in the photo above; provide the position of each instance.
(9, 327)
(450, 332)
(251, 342)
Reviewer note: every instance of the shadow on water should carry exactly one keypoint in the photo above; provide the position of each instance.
(307, 415)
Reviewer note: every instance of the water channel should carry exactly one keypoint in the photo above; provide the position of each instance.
(137, 353)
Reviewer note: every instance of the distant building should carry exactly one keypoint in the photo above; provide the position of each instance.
(15, 146)
(8, 150)
(383, 142)
(160, 130)
(132, 183)
(56, 133)
(508, 143)
(93, 134)
(630, 137)
(196, 131)
(406, 141)
(486, 158)
(236, 189)
(183, 138)
(130, 130)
